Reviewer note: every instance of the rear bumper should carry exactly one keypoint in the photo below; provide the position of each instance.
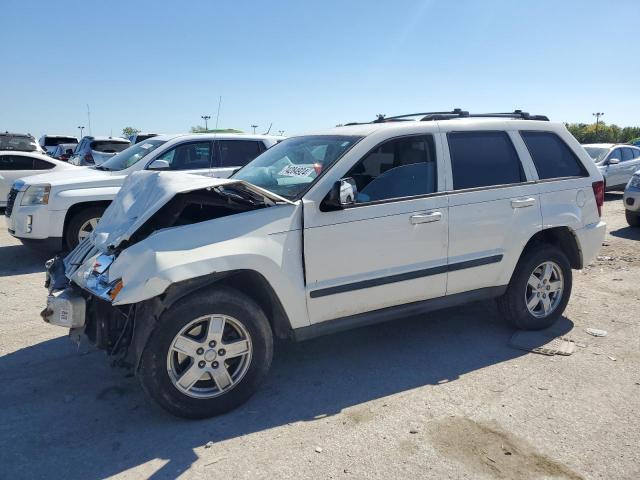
(590, 240)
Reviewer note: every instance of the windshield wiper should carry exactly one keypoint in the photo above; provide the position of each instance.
(246, 196)
(100, 167)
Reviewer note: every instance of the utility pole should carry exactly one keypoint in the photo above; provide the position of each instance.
(81, 128)
(206, 119)
(254, 128)
(597, 115)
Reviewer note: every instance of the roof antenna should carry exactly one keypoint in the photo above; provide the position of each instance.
(267, 132)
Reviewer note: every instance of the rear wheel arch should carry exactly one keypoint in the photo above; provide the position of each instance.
(562, 237)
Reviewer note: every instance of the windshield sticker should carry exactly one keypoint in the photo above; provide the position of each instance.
(146, 145)
(296, 171)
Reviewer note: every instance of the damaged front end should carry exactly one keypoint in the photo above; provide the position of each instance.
(83, 290)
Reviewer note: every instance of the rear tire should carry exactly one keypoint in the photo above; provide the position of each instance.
(633, 219)
(222, 376)
(530, 292)
(81, 221)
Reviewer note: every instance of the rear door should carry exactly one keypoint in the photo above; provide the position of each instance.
(629, 164)
(230, 155)
(390, 247)
(494, 209)
(13, 167)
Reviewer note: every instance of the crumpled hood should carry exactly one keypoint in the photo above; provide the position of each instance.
(143, 193)
(78, 177)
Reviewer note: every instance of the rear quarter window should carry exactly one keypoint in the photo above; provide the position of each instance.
(551, 156)
(482, 159)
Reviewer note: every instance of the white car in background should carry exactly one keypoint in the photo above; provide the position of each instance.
(15, 165)
(75, 202)
(50, 142)
(616, 162)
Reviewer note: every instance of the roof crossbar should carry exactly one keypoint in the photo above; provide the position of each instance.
(455, 113)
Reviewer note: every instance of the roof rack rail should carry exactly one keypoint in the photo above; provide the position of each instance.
(455, 113)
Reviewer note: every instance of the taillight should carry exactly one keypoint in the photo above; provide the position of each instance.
(88, 158)
(598, 192)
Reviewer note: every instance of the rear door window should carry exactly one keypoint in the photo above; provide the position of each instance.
(237, 153)
(39, 164)
(551, 156)
(627, 154)
(106, 146)
(483, 159)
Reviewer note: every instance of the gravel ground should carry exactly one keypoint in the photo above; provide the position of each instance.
(437, 397)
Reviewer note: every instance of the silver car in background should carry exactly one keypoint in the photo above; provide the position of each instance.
(616, 162)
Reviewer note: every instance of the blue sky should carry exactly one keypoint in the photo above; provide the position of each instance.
(303, 65)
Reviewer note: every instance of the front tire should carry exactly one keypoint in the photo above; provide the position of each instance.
(208, 354)
(81, 225)
(539, 289)
(633, 219)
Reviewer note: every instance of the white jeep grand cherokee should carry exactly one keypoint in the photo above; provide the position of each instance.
(189, 282)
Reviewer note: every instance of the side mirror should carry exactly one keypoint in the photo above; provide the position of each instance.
(613, 161)
(159, 165)
(343, 194)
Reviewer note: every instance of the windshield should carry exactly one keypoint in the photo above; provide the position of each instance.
(131, 155)
(597, 153)
(22, 143)
(290, 167)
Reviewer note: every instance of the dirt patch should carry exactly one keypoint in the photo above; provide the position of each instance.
(490, 451)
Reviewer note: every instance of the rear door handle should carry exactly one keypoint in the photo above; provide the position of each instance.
(523, 202)
(425, 217)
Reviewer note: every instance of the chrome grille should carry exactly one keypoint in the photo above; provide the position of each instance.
(11, 199)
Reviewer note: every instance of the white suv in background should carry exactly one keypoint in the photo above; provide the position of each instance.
(616, 162)
(75, 200)
(328, 231)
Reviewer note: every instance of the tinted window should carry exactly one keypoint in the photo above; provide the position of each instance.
(481, 159)
(552, 157)
(627, 154)
(53, 141)
(42, 164)
(107, 146)
(617, 153)
(188, 156)
(398, 168)
(15, 162)
(636, 153)
(236, 153)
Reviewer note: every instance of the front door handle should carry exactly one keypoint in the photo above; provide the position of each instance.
(425, 217)
(523, 202)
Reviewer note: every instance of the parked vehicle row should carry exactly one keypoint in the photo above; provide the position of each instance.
(75, 202)
(187, 279)
(50, 142)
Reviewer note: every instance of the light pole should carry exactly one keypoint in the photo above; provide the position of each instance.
(81, 128)
(254, 128)
(597, 115)
(206, 119)
(281, 133)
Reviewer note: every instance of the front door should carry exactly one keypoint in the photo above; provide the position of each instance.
(390, 247)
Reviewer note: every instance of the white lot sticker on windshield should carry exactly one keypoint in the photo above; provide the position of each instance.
(146, 145)
(296, 171)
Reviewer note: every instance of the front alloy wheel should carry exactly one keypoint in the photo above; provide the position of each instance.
(209, 356)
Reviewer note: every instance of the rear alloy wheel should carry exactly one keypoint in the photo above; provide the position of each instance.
(633, 218)
(539, 289)
(207, 354)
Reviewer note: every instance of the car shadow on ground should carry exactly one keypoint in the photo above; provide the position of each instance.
(22, 260)
(629, 233)
(70, 413)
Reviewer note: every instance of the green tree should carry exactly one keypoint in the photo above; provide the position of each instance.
(586, 133)
(128, 131)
